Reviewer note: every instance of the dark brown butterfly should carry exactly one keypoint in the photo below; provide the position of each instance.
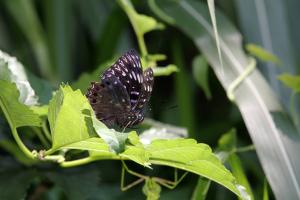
(124, 90)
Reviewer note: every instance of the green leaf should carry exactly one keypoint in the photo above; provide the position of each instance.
(290, 81)
(151, 189)
(13, 71)
(200, 72)
(69, 117)
(95, 145)
(136, 153)
(17, 114)
(187, 154)
(114, 139)
(40, 110)
(281, 141)
(262, 54)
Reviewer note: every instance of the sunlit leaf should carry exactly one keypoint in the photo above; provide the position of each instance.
(69, 117)
(191, 156)
(15, 112)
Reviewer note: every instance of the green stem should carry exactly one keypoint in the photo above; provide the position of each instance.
(46, 130)
(78, 162)
(130, 12)
(84, 161)
(21, 145)
(41, 136)
(15, 134)
(244, 149)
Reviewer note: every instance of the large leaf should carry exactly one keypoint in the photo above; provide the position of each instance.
(69, 117)
(191, 156)
(16, 113)
(273, 135)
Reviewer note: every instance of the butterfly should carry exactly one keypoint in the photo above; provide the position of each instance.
(124, 90)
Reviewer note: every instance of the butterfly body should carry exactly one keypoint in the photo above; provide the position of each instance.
(123, 92)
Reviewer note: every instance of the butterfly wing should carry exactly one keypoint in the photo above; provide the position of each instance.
(128, 70)
(146, 89)
(108, 99)
(137, 113)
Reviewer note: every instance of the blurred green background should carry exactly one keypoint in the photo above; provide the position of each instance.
(58, 40)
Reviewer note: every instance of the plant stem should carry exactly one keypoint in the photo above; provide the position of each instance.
(130, 11)
(46, 130)
(15, 134)
(86, 160)
(78, 162)
(41, 136)
(246, 148)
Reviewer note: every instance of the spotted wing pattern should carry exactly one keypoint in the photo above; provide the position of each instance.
(124, 90)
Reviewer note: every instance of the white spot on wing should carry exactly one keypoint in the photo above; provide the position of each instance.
(133, 74)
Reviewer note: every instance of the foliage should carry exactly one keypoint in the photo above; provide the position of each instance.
(52, 146)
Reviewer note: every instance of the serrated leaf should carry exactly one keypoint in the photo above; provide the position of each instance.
(191, 156)
(15, 112)
(151, 189)
(290, 81)
(69, 117)
(262, 54)
(200, 72)
(13, 71)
